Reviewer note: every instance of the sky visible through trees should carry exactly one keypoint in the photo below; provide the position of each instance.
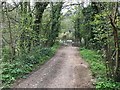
(32, 31)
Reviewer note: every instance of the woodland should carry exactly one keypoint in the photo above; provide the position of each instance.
(32, 33)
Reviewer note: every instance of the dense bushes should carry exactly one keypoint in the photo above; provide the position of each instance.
(98, 69)
(29, 34)
(24, 64)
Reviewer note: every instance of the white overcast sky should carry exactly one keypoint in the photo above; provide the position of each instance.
(67, 2)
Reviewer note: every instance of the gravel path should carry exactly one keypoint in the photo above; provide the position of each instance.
(65, 70)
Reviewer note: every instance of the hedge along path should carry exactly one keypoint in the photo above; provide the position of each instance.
(65, 70)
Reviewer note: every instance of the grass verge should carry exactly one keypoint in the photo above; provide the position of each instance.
(98, 69)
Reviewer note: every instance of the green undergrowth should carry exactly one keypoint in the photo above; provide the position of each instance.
(24, 64)
(98, 69)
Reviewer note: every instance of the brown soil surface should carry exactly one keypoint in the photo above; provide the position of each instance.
(65, 70)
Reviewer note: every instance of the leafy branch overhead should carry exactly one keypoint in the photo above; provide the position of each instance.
(31, 33)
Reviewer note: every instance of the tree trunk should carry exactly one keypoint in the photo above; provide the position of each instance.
(40, 7)
(55, 16)
(116, 42)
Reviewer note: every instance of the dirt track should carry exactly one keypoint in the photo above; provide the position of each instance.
(65, 70)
